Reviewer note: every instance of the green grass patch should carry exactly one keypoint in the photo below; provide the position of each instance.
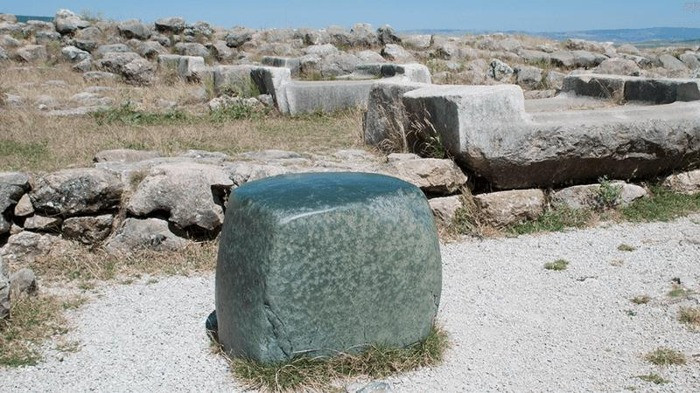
(678, 291)
(32, 321)
(666, 357)
(28, 153)
(663, 205)
(553, 220)
(626, 248)
(558, 265)
(653, 378)
(318, 373)
(127, 114)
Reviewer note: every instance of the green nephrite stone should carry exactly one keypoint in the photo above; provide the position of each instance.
(326, 262)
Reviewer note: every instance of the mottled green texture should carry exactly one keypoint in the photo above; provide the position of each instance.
(318, 263)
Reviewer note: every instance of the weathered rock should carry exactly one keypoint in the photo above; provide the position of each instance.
(488, 132)
(191, 49)
(133, 28)
(387, 35)
(150, 49)
(239, 36)
(618, 66)
(362, 35)
(67, 22)
(499, 70)
(26, 246)
(321, 50)
(685, 183)
(555, 80)
(417, 41)
(74, 54)
(73, 192)
(43, 224)
(394, 52)
(13, 185)
(24, 207)
(175, 25)
(593, 196)
(125, 155)
(144, 234)
(295, 284)
(432, 175)
(658, 91)
(31, 53)
(4, 290)
(88, 230)
(139, 72)
(184, 191)
(505, 208)
(23, 283)
(672, 63)
(112, 48)
(445, 208)
(530, 77)
(690, 60)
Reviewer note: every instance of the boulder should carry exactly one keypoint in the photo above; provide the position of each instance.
(112, 48)
(505, 208)
(530, 77)
(173, 25)
(31, 53)
(144, 234)
(184, 191)
(191, 49)
(283, 278)
(150, 49)
(43, 224)
(321, 50)
(417, 41)
(133, 28)
(88, 230)
(499, 70)
(75, 55)
(397, 53)
(239, 36)
(13, 185)
(618, 66)
(445, 208)
(690, 60)
(592, 196)
(26, 246)
(671, 63)
(433, 176)
(685, 182)
(73, 192)
(23, 283)
(362, 35)
(67, 22)
(386, 35)
(139, 72)
(24, 207)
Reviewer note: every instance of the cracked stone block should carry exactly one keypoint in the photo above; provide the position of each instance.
(318, 263)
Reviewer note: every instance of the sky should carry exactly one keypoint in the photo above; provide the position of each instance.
(500, 15)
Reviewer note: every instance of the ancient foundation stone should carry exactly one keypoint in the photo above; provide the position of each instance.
(318, 263)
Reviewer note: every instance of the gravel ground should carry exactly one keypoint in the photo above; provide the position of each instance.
(513, 325)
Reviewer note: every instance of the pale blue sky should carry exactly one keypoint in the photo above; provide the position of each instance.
(534, 15)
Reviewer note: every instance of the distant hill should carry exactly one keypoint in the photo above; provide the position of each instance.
(649, 36)
(24, 18)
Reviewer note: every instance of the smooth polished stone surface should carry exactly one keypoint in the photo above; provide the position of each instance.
(319, 263)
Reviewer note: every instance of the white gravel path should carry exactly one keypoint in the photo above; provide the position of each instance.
(513, 325)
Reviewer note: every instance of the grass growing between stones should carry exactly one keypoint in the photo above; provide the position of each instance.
(32, 321)
(663, 205)
(666, 357)
(554, 220)
(320, 373)
(81, 264)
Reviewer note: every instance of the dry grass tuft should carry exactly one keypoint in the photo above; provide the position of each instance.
(690, 316)
(665, 357)
(642, 299)
(82, 264)
(32, 321)
(558, 265)
(319, 373)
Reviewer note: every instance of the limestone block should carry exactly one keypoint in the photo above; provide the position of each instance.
(317, 263)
